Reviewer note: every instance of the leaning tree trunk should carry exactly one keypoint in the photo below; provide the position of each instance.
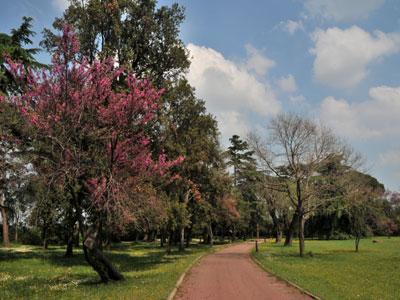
(289, 232)
(95, 257)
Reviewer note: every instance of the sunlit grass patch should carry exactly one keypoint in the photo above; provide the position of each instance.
(332, 270)
(28, 272)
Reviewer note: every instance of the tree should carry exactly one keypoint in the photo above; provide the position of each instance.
(294, 151)
(99, 150)
(246, 180)
(360, 192)
(12, 46)
(141, 37)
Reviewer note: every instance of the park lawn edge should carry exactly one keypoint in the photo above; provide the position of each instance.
(266, 269)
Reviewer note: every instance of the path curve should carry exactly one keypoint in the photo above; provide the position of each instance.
(231, 274)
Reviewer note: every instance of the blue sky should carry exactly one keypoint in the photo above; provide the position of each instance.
(336, 61)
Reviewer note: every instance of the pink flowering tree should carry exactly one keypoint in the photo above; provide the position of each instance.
(93, 119)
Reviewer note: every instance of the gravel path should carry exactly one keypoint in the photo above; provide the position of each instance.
(230, 274)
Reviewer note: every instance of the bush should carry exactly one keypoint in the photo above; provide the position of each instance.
(30, 236)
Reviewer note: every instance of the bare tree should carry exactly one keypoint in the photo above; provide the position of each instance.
(293, 152)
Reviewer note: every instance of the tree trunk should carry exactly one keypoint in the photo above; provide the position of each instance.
(162, 238)
(289, 232)
(94, 256)
(188, 237)
(169, 242)
(357, 242)
(301, 235)
(3, 212)
(44, 237)
(182, 239)
(257, 231)
(70, 246)
(6, 237)
(16, 227)
(210, 235)
(278, 235)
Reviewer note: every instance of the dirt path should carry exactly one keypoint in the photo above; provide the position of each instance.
(231, 274)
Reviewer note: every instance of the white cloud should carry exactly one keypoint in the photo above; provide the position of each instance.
(342, 57)
(60, 4)
(257, 62)
(232, 122)
(342, 10)
(287, 84)
(291, 26)
(374, 119)
(231, 91)
(299, 99)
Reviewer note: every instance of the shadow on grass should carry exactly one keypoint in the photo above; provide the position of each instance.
(120, 256)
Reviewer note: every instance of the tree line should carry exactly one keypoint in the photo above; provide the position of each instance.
(110, 143)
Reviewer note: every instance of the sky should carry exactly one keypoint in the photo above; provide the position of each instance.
(333, 61)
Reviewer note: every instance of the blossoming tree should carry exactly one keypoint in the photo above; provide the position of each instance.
(92, 119)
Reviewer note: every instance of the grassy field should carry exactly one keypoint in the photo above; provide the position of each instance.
(28, 272)
(332, 270)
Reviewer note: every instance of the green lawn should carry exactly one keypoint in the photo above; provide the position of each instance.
(28, 272)
(334, 271)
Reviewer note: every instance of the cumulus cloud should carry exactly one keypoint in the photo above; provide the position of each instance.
(231, 90)
(374, 119)
(291, 26)
(287, 84)
(342, 10)
(257, 62)
(343, 56)
(61, 5)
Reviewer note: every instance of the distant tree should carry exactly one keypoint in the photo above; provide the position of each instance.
(360, 192)
(293, 152)
(99, 149)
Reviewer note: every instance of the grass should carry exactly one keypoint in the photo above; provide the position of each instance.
(28, 272)
(332, 270)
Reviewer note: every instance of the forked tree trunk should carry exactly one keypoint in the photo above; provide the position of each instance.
(95, 257)
(357, 242)
(289, 232)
